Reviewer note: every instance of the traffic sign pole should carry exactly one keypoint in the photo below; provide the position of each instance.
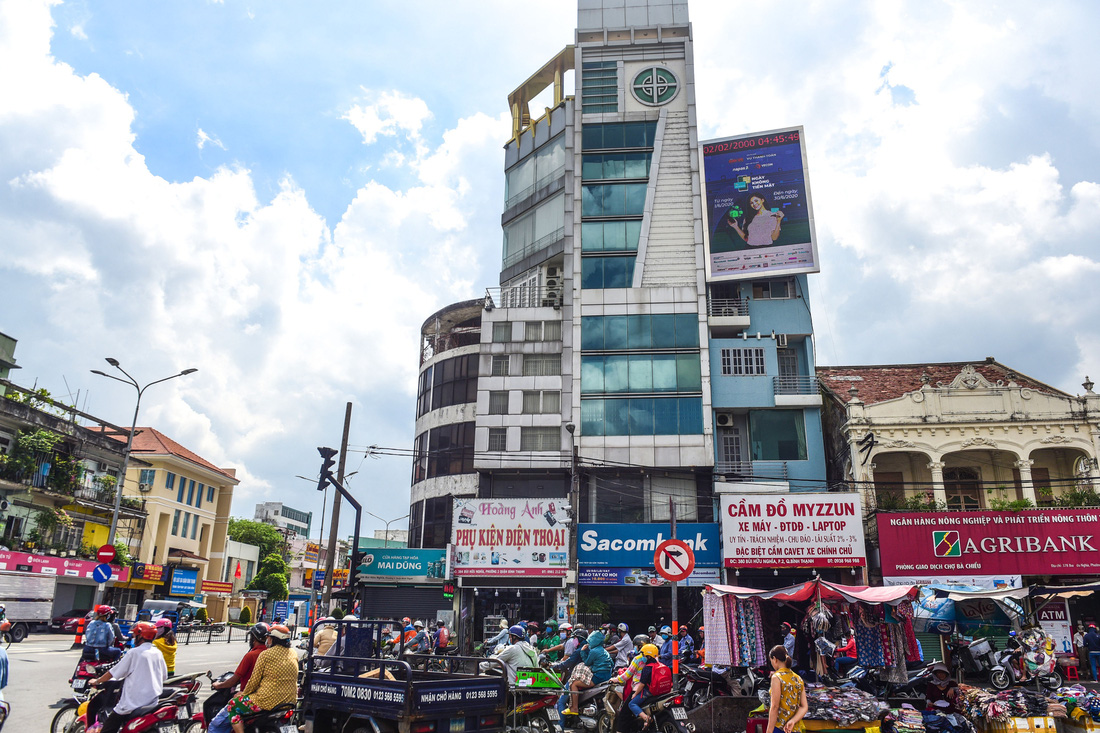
(675, 615)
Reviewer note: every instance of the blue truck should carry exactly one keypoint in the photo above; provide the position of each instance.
(355, 688)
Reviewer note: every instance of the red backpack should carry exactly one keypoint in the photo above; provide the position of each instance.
(660, 680)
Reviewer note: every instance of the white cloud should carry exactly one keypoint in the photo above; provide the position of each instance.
(203, 138)
(78, 32)
(388, 113)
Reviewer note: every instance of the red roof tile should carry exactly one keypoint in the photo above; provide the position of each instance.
(151, 441)
(881, 382)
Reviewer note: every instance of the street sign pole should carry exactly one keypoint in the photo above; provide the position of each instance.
(675, 624)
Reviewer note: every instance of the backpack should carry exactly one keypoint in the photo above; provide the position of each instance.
(660, 680)
(99, 634)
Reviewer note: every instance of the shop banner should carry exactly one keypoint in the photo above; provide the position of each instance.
(215, 586)
(59, 566)
(402, 565)
(1054, 620)
(511, 537)
(1035, 542)
(149, 572)
(633, 545)
(312, 552)
(645, 577)
(965, 582)
(184, 582)
(796, 530)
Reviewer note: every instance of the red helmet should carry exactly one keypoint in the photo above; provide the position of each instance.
(103, 610)
(144, 630)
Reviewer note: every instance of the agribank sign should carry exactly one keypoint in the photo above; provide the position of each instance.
(1036, 542)
(800, 530)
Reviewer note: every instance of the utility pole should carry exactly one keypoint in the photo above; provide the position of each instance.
(574, 505)
(675, 624)
(334, 527)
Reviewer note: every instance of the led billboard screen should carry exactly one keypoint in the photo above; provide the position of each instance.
(759, 219)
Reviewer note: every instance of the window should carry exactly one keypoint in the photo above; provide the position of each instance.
(186, 521)
(542, 331)
(599, 86)
(450, 382)
(777, 435)
(607, 272)
(613, 199)
(210, 493)
(182, 490)
(616, 135)
(665, 331)
(424, 392)
(437, 521)
(541, 403)
(502, 332)
(610, 236)
(191, 493)
(175, 523)
(773, 289)
(498, 439)
(148, 476)
(1040, 481)
(641, 373)
(683, 494)
(619, 499)
(611, 166)
(416, 524)
(535, 230)
(498, 403)
(198, 496)
(538, 365)
(535, 171)
(730, 444)
(444, 451)
(963, 488)
(540, 439)
(169, 480)
(642, 416)
(195, 527)
(500, 366)
(742, 362)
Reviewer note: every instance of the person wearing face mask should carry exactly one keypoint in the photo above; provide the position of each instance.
(665, 656)
(941, 689)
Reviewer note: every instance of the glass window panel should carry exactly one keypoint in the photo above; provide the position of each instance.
(636, 165)
(664, 373)
(688, 373)
(634, 202)
(616, 374)
(613, 136)
(633, 233)
(551, 331)
(551, 157)
(198, 498)
(664, 332)
(616, 420)
(592, 236)
(691, 415)
(777, 435)
(591, 273)
(498, 438)
(665, 416)
(532, 331)
(634, 135)
(498, 403)
(520, 178)
(640, 332)
(592, 329)
(592, 167)
(531, 403)
(591, 374)
(500, 366)
(614, 235)
(641, 373)
(615, 271)
(591, 137)
(501, 332)
(592, 422)
(641, 416)
(614, 166)
(615, 332)
(687, 329)
(551, 402)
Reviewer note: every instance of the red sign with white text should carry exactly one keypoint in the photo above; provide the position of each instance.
(1036, 542)
(58, 566)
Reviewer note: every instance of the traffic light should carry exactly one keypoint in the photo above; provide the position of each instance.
(328, 460)
(448, 590)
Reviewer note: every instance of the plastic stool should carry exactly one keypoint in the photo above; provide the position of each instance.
(1071, 674)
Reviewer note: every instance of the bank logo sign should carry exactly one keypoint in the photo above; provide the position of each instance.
(947, 544)
(655, 85)
(633, 545)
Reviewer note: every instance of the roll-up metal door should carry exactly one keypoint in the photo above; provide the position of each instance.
(395, 603)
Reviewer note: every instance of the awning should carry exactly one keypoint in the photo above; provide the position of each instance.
(967, 595)
(1064, 590)
(186, 555)
(890, 595)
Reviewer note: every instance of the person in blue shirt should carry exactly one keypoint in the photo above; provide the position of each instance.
(687, 644)
(501, 638)
(665, 657)
(3, 672)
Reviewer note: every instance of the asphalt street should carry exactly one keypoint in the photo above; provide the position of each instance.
(40, 667)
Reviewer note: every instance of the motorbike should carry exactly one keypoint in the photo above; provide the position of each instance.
(160, 717)
(1044, 670)
(668, 713)
(975, 658)
(913, 687)
(533, 702)
(597, 711)
(5, 711)
(700, 685)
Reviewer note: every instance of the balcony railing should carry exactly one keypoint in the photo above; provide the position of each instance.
(727, 307)
(523, 296)
(748, 470)
(533, 247)
(541, 183)
(795, 385)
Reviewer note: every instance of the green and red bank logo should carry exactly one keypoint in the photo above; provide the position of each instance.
(947, 544)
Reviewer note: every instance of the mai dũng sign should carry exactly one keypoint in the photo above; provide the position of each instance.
(1029, 542)
(796, 530)
(511, 536)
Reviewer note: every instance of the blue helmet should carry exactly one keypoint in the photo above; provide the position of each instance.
(517, 630)
(1012, 633)
(666, 629)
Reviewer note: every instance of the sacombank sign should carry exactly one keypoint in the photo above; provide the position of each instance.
(633, 545)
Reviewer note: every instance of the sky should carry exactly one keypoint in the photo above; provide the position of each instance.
(279, 194)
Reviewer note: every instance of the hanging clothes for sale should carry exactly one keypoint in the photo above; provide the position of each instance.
(716, 624)
(869, 651)
(904, 612)
(748, 641)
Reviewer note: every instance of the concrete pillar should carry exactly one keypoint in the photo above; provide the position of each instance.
(939, 494)
(1027, 487)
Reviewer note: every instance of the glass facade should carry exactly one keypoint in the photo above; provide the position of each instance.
(599, 86)
(642, 416)
(444, 451)
(449, 382)
(661, 331)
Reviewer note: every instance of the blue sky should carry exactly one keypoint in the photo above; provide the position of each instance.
(280, 193)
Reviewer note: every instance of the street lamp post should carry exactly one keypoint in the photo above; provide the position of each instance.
(387, 524)
(129, 441)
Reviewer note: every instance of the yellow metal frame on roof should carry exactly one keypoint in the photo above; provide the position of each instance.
(553, 72)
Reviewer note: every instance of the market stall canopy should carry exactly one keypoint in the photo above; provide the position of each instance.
(1064, 590)
(890, 595)
(979, 611)
(993, 595)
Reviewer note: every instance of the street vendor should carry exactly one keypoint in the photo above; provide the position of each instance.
(942, 689)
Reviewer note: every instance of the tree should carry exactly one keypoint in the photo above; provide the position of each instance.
(122, 554)
(264, 536)
(246, 616)
(273, 577)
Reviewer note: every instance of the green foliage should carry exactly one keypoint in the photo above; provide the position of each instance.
(66, 474)
(246, 616)
(590, 605)
(896, 501)
(122, 554)
(264, 536)
(338, 613)
(1010, 505)
(202, 616)
(29, 447)
(272, 577)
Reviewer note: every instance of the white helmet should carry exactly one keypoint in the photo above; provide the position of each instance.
(418, 624)
(565, 626)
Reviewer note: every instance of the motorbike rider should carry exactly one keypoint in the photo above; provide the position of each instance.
(112, 619)
(165, 642)
(636, 681)
(701, 649)
(941, 688)
(550, 641)
(274, 680)
(576, 646)
(533, 634)
(845, 654)
(3, 612)
(420, 643)
(441, 638)
(501, 638)
(666, 645)
(565, 635)
(687, 644)
(1016, 646)
(518, 653)
(623, 649)
(99, 638)
(257, 643)
(594, 669)
(323, 638)
(143, 673)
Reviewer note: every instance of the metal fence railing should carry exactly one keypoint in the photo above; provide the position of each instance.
(218, 633)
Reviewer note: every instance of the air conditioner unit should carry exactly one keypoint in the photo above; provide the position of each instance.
(553, 283)
(102, 466)
(552, 272)
(724, 419)
(781, 340)
(145, 488)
